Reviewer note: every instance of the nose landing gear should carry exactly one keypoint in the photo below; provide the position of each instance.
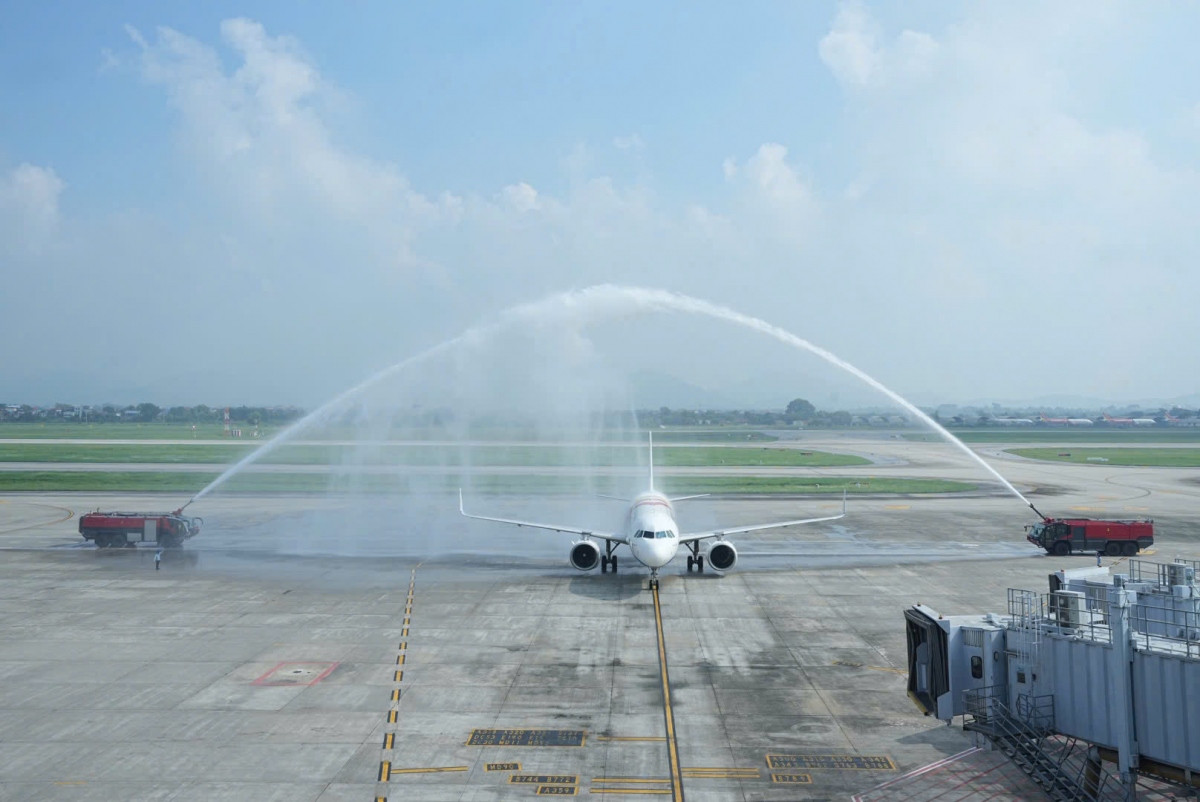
(653, 579)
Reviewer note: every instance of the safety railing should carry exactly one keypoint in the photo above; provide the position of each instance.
(1168, 626)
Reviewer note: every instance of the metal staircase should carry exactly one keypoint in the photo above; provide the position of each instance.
(1023, 736)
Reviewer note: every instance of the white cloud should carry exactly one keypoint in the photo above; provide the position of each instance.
(267, 149)
(632, 142)
(29, 213)
(851, 49)
(770, 192)
(973, 212)
(521, 197)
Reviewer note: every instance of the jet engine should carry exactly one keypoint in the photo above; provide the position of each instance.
(585, 555)
(722, 556)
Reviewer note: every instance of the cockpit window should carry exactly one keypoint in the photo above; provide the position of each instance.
(662, 534)
(644, 533)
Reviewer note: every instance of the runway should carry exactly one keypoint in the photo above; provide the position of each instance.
(326, 648)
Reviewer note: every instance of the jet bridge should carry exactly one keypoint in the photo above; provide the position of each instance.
(1110, 663)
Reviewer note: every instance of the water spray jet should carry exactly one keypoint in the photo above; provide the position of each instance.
(594, 304)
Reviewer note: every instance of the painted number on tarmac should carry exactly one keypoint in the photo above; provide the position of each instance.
(527, 738)
(859, 762)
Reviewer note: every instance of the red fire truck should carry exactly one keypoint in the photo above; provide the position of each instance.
(1066, 535)
(125, 529)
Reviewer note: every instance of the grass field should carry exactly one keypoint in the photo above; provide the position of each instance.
(478, 456)
(1155, 457)
(119, 431)
(11, 430)
(187, 484)
(1062, 435)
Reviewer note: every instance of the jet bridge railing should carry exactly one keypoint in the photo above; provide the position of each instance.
(1036, 711)
(1171, 630)
(1025, 607)
(1158, 573)
(985, 704)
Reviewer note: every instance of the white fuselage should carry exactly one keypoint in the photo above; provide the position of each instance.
(652, 531)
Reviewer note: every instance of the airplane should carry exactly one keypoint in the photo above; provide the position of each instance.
(1066, 421)
(652, 535)
(1013, 421)
(1128, 421)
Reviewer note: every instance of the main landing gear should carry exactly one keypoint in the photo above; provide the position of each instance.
(608, 558)
(696, 559)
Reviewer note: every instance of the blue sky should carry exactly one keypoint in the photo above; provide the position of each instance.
(993, 200)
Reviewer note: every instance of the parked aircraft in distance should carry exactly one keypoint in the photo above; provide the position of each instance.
(1066, 421)
(652, 535)
(1013, 421)
(1110, 420)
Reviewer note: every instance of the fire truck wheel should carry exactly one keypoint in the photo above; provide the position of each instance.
(1113, 548)
(1130, 549)
(101, 541)
(1062, 548)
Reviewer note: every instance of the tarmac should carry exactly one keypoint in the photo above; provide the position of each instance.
(355, 648)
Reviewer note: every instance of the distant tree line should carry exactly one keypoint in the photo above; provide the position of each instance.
(798, 411)
(148, 413)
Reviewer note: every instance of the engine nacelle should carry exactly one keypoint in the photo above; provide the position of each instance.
(585, 555)
(722, 556)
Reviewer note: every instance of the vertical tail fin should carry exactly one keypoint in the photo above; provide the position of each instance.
(651, 434)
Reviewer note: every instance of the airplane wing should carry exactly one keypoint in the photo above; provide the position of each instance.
(533, 525)
(686, 537)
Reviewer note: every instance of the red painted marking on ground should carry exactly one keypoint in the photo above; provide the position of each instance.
(266, 681)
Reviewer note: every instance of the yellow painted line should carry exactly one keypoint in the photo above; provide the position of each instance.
(663, 791)
(849, 664)
(64, 782)
(430, 770)
(630, 738)
(1148, 552)
(720, 776)
(733, 773)
(381, 799)
(630, 780)
(897, 506)
(389, 740)
(400, 660)
(385, 770)
(404, 632)
(398, 676)
(395, 694)
(391, 717)
(403, 645)
(668, 714)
